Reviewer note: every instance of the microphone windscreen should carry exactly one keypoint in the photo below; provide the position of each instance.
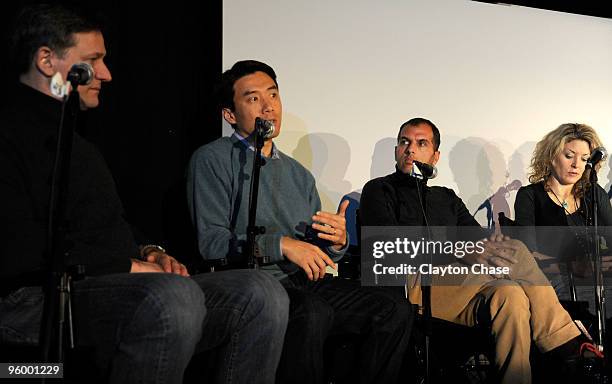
(81, 74)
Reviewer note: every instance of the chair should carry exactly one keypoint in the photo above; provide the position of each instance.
(505, 221)
(457, 353)
(350, 265)
(576, 308)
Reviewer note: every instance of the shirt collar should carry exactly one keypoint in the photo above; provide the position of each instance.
(406, 179)
(246, 143)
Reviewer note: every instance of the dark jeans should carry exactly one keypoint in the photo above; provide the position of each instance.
(380, 317)
(145, 327)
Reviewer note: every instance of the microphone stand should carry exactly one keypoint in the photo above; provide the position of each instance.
(57, 285)
(254, 259)
(596, 257)
(425, 283)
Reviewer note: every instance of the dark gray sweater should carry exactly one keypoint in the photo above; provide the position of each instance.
(218, 184)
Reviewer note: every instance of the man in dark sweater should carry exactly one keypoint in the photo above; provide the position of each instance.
(288, 206)
(520, 306)
(143, 327)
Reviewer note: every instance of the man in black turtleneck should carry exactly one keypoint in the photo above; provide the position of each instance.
(144, 327)
(519, 307)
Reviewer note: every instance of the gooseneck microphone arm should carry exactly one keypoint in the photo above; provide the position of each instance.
(421, 172)
(593, 249)
(57, 310)
(595, 255)
(263, 129)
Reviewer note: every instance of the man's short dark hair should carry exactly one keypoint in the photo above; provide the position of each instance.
(243, 68)
(418, 121)
(50, 25)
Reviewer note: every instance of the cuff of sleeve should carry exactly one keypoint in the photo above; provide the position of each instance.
(270, 245)
(340, 252)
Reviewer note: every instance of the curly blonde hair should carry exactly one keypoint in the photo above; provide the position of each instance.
(552, 144)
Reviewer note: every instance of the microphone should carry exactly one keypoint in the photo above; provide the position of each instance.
(423, 170)
(80, 74)
(596, 156)
(264, 127)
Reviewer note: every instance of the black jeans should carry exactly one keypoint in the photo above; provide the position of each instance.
(380, 317)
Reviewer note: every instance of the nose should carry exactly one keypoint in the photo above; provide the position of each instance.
(268, 104)
(102, 72)
(575, 162)
(410, 148)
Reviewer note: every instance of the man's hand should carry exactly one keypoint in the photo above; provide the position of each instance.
(332, 226)
(167, 263)
(499, 251)
(158, 262)
(139, 266)
(306, 256)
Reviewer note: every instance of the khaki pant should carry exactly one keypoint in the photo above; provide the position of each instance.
(519, 307)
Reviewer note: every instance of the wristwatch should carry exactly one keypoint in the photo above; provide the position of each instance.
(148, 248)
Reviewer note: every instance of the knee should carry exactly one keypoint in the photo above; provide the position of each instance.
(174, 303)
(266, 296)
(511, 299)
(311, 312)
(402, 314)
(395, 309)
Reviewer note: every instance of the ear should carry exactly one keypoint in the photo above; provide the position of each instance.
(44, 61)
(229, 116)
(436, 157)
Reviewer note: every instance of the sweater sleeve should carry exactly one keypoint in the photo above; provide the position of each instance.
(208, 198)
(464, 217)
(96, 236)
(605, 207)
(524, 207)
(605, 216)
(525, 216)
(377, 204)
(102, 239)
(23, 236)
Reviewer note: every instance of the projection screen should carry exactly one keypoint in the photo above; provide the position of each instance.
(493, 78)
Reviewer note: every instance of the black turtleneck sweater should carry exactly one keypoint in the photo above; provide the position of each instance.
(393, 200)
(98, 236)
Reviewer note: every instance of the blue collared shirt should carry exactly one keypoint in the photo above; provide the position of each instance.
(244, 141)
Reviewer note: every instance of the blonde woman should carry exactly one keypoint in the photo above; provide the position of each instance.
(558, 196)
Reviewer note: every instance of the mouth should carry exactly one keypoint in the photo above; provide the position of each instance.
(405, 164)
(407, 160)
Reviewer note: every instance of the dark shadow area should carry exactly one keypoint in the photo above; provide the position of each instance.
(164, 59)
(329, 156)
(482, 176)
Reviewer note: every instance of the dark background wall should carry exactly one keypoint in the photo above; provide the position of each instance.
(580, 7)
(164, 59)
